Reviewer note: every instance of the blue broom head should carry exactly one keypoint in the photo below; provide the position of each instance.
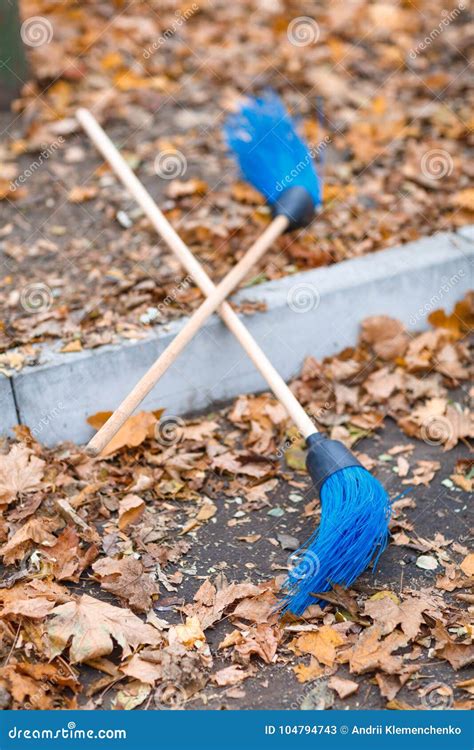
(355, 511)
(269, 151)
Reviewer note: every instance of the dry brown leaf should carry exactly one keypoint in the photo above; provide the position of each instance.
(36, 608)
(458, 654)
(467, 565)
(388, 614)
(25, 689)
(261, 640)
(71, 347)
(381, 384)
(390, 684)
(238, 462)
(232, 675)
(126, 579)
(20, 472)
(142, 670)
(343, 687)
(190, 635)
(211, 603)
(91, 627)
(131, 508)
(322, 644)
(343, 598)
(403, 466)
(371, 652)
(82, 193)
(464, 199)
(260, 608)
(135, 430)
(69, 560)
(36, 531)
(309, 672)
(206, 511)
(387, 336)
(423, 474)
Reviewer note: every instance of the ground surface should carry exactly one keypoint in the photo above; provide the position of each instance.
(392, 84)
(148, 578)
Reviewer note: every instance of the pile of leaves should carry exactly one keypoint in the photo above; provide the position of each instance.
(386, 113)
(138, 579)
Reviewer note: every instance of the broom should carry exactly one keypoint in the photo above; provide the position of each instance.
(355, 507)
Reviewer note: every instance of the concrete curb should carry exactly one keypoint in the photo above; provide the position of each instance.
(316, 312)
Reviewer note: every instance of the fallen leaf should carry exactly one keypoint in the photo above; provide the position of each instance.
(36, 608)
(388, 614)
(82, 193)
(370, 652)
(261, 640)
(390, 684)
(322, 644)
(131, 508)
(136, 429)
(467, 565)
(309, 672)
(71, 347)
(190, 634)
(387, 336)
(131, 696)
(260, 608)
(464, 199)
(230, 675)
(343, 687)
(92, 626)
(142, 670)
(20, 472)
(68, 558)
(126, 579)
(36, 531)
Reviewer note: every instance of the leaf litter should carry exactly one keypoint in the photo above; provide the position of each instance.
(391, 135)
(121, 581)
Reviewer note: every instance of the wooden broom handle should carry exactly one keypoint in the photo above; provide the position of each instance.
(194, 268)
(194, 324)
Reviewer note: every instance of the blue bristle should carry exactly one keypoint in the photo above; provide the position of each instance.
(270, 153)
(355, 511)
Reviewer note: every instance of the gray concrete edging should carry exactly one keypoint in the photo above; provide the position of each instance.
(310, 313)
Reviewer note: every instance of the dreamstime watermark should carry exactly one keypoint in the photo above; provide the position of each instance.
(448, 17)
(47, 419)
(169, 431)
(36, 298)
(436, 299)
(436, 164)
(436, 430)
(180, 18)
(303, 297)
(171, 298)
(437, 696)
(36, 164)
(170, 696)
(170, 164)
(36, 31)
(153, 313)
(67, 733)
(302, 31)
(303, 565)
(303, 164)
